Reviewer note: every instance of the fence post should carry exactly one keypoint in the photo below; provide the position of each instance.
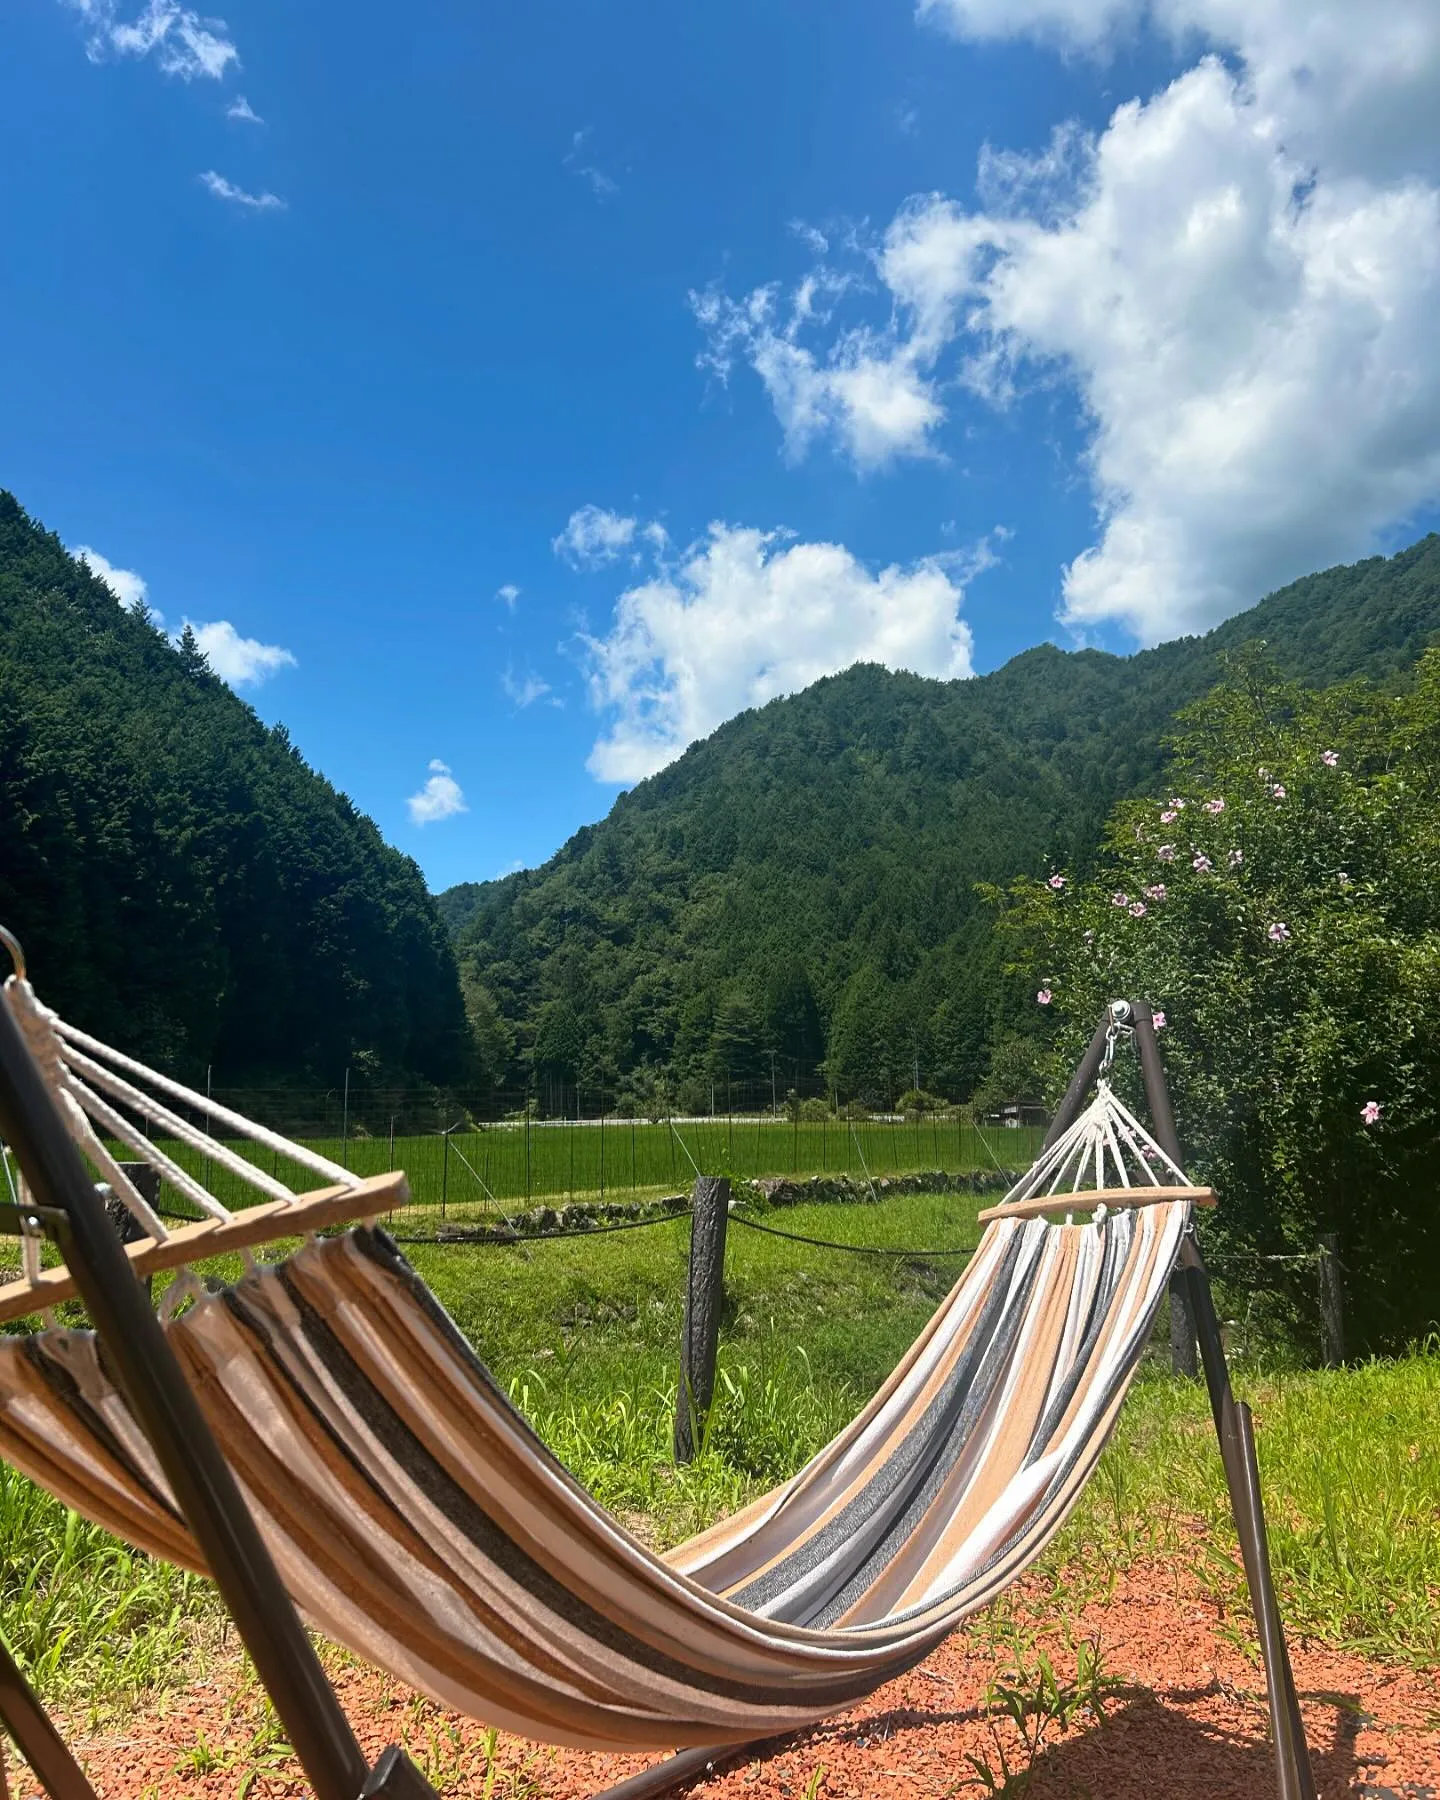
(704, 1295)
(147, 1182)
(1332, 1302)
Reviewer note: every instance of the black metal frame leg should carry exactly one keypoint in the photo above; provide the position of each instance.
(36, 1738)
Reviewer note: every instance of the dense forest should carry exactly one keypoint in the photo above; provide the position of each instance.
(183, 884)
(796, 897)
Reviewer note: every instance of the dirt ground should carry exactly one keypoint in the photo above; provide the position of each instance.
(1186, 1721)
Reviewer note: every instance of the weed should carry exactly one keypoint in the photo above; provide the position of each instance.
(1026, 1694)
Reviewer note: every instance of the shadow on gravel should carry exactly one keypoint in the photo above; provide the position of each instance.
(1147, 1746)
(1146, 1749)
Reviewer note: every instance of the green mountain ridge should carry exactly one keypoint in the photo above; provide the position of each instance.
(183, 883)
(802, 882)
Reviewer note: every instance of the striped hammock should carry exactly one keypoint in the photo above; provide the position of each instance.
(419, 1521)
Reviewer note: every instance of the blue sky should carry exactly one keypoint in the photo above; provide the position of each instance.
(513, 393)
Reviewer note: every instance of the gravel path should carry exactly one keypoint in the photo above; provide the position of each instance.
(1187, 1722)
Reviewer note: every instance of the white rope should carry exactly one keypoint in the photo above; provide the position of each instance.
(161, 1115)
(237, 1122)
(74, 1077)
(34, 1021)
(1080, 1152)
(1123, 1112)
(119, 1126)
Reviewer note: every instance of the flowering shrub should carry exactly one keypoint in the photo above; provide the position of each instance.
(1297, 956)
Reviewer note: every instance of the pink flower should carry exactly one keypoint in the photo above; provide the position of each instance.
(1057, 882)
(1370, 1112)
(1214, 806)
(1137, 909)
(1278, 932)
(1178, 804)
(1166, 853)
(1157, 892)
(1157, 1019)
(1330, 758)
(1236, 858)
(1169, 816)
(1044, 996)
(1278, 790)
(1118, 899)
(1201, 863)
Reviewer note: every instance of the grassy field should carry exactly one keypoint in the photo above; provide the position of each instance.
(512, 1165)
(584, 1333)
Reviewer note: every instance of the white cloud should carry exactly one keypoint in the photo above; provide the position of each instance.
(748, 615)
(241, 109)
(440, 798)
(127, 587)
(523, 691)
(509, 594)
(181, 41)
(602, 186)
(239, 660)
(593, 536)
(871, 388)
(1238, 277)
(238, 196)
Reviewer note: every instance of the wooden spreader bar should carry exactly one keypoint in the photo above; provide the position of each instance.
(215, 1237)
(1086, 1200)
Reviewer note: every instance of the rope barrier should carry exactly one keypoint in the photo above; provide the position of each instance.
(796, 1237)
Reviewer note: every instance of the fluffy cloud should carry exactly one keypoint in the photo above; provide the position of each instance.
(181, 41)
(241, 109)
(509, 594)
(238, 196)
(523, 690)
(242, 661)
(1238, 277)
(593, 537)
(440, 798)
(746, 616)
(127, 587)
(871, 388)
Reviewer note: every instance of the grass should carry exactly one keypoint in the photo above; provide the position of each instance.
(585, 1333)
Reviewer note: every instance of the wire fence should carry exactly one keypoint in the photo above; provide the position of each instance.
(476, 1171)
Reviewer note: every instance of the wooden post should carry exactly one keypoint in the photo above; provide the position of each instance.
(147, 1181)
(704, 1294)
(1332, 1303)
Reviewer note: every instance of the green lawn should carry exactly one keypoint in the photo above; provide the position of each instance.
(585, 1333)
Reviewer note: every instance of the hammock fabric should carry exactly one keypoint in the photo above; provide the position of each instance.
(418, 1520)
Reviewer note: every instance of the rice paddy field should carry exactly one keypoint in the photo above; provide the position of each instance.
(469, 1173)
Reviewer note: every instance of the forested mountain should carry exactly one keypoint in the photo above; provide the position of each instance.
(183, 884)
(803, 882)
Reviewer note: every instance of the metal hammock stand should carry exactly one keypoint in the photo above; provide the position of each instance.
(60, 1201)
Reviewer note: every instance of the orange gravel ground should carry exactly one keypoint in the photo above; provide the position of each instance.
(1187, 1723)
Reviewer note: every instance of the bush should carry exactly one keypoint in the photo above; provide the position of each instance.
(915, 1102)
(1280, 901)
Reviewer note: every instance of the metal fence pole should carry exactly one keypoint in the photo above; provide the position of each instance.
(1332, 1302)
